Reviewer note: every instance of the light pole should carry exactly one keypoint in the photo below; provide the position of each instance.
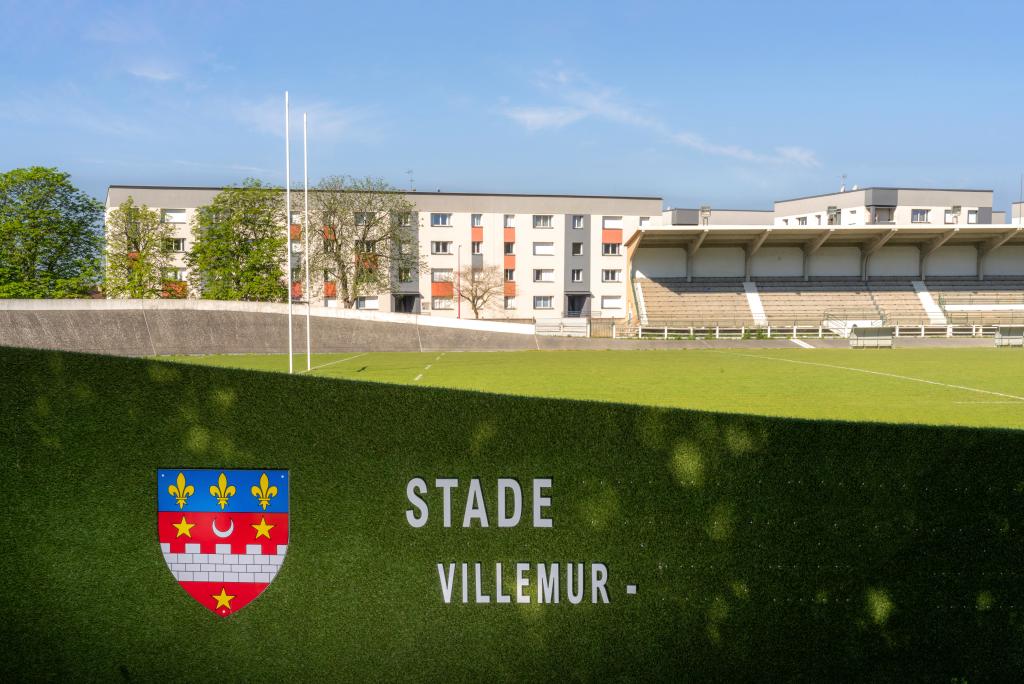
(458, 281)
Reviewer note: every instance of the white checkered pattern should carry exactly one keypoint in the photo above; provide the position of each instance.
(224, 566)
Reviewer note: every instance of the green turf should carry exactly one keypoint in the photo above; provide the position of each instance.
(763, 548)
(784, 382)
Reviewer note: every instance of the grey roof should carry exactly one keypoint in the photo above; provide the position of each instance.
(399, 190)
(881, 187)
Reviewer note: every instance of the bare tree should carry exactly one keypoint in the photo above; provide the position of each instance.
(365, 236)
(480, 285)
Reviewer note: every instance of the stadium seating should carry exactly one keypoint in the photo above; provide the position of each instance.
(898, 302)
(979, 295)
(797, 302)
(677, 302)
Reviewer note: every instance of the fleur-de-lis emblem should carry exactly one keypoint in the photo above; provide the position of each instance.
(181, 491)
(222, 490)
(264, 491)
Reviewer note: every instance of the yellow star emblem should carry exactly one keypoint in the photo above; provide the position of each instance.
(223, 599)
(184, 528)
(263, 529)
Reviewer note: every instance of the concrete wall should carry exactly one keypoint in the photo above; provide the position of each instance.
(836, 261)
(899, 260)
(138, 328)
(778, 261)
(719, 262)
(1008, 260)
(660, 262)
(957, 260)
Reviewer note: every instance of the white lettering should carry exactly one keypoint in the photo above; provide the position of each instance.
(598, 578)
(507, 484)
(499, 597)
(574, 597)
(446, 584)
(547, 583)
(540, 502)
(416, 487)
(522, 582)
(447, 484)
(475, 505)
(480, 597)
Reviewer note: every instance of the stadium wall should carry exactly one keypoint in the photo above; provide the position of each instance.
(762, 549)
(189, 326)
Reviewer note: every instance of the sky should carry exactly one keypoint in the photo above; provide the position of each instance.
(731, 104)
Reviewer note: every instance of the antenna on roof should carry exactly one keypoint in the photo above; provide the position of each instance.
(412, 182)
(842, 185)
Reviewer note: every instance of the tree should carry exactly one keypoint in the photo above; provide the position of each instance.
(479, 286)
(239, 250)
(50, 237)
(366, 237)
(138, 251)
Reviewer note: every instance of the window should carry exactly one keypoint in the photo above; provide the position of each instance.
(543, 275)
(950, 217)
(611, 221)
(510, 248)
(173, 216)
(405, 275)
(543, 302)
(510, 302)
(404, 220)
(611, 302)
(366, 246)
(611, 249)
(440, 247)
(370, 303)
(296, 218)
(441, 219)
(362, 218)
(611, 275)
(919, 216)
(853, 217)
(442, 304)
(405, 248)
(817, 219)
(175, 244)
(802, 221)
(577, 275)
(477, 248)
(476, 220)
(577, 222)
(510, 275)
(173, 274)
(645, 221)
(440, 275)
(972, 215)
(544, 249)
(577, 249)
(510, 221)
(541, 220)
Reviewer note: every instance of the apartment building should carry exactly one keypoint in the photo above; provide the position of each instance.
(1017, 213)
(711, 216)
(888, 206)
(559, 255)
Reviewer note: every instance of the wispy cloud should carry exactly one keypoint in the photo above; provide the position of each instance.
(326, 121)
(153, 71)
(67, 106)
(536, 118)
(584, 99)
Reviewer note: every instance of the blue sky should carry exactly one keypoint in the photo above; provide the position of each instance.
(732, 104)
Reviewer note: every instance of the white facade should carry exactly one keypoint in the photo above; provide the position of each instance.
(887, 206)
(567, 253)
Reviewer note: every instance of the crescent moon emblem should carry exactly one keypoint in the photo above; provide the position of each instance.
(220, 534)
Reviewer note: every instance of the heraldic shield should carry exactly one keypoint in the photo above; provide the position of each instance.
(223, 533)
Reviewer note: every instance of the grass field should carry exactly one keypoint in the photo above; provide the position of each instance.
(978, 387)
(764, 548)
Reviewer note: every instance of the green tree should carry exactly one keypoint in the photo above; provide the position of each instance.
(138, 251)
(50, 239)
(366, 236)
(239, 251)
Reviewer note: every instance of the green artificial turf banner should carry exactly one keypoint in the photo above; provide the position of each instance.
(445, 535)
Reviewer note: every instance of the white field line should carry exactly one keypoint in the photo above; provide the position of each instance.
(324, 365)
(416, 379)
(881, 373)
(800, 343)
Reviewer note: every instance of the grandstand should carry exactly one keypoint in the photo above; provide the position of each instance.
(673, 300)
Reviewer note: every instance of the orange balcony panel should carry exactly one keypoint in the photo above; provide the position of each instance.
(330, 289)
(478, 234)
(510, 235)
(510, 261)
(510, 289)
(613, 235)
(296, 290)
(295, 230)
(329, 233)
(442, 289)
